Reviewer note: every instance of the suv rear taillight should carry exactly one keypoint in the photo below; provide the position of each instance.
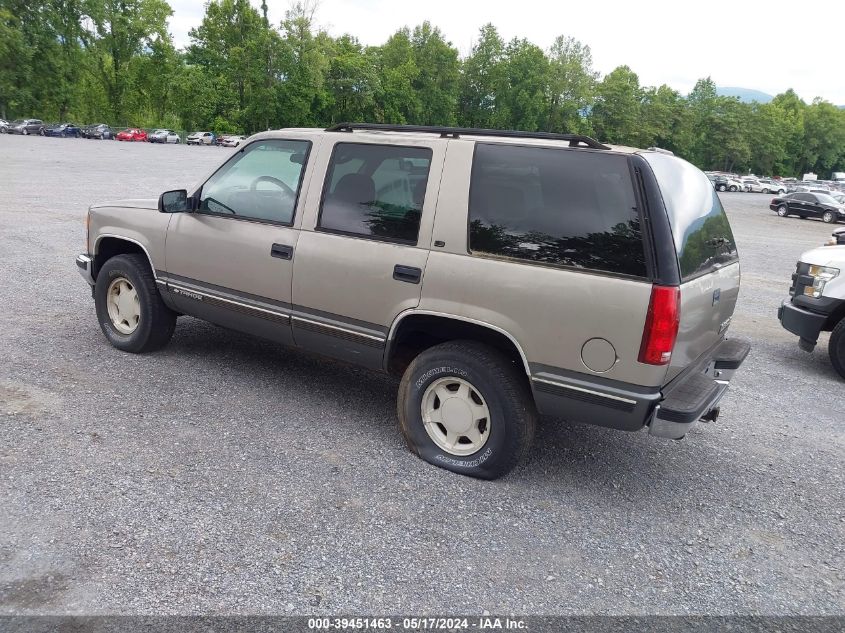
(661, 325)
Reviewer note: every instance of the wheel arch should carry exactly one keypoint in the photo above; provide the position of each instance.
(109, 245)
(416, 330)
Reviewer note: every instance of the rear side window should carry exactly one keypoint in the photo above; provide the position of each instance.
(375, 191)
(700, 228)
(556, 207)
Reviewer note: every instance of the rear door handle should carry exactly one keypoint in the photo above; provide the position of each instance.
(408, 274)
(282, 251)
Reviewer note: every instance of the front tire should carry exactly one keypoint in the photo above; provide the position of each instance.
(733, 188)
(828, 217)
(722, 188)
(783, 211)
(836, 348)
(465, 407)
(130, 309)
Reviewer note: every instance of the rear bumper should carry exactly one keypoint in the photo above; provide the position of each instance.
(804, 323)
(695, 393)
(667, 412)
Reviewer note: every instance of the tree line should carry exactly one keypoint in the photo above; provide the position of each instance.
(115, 61)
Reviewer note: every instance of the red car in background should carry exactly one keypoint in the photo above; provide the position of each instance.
(132, 134)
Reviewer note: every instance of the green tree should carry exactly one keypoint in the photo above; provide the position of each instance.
(305, 61)
(351, 83)
(437, 79)
(616, 113)
(824, 138)
(522, 101)
(572, 85)
(666, 121)
(396, 99)
(124, 30)
(480, 78)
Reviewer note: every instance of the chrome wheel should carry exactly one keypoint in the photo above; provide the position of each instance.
(455, 416)
(827, 218)
(782, 211)
(123, 305)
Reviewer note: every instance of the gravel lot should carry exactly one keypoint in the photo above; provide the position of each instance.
(228, 475)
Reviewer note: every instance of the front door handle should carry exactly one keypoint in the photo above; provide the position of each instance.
(408, 274)
(282, 251)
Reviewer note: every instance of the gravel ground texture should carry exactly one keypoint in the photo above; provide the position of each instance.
(226, 475)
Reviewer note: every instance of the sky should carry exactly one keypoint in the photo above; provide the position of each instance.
(764, 45)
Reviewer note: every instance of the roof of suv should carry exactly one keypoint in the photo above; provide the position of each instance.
(500, 136)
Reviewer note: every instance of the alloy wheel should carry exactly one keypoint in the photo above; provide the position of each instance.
(455, 416)
(124, 305)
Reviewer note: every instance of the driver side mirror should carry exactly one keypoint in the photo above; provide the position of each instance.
(175, 201)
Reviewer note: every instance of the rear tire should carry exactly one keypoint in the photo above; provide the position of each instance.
(836, 348)
(722, 188)
(155, 321)
(733, 188)
(765, 191)
(482, 380)
(783, 211)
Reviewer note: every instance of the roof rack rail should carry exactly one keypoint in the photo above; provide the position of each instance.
(575, 140)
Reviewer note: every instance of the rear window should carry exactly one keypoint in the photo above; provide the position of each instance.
(702, 234)
(558, 207)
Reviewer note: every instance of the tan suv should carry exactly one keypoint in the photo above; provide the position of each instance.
(502, 275)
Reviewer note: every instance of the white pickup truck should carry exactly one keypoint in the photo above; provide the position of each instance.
(817, 299)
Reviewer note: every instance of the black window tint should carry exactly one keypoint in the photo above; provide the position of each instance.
(261, 182)
(375, 191)
(703, 237)
(803, 197)
(555, 206)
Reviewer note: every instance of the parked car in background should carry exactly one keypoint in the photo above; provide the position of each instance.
(201, 138)
(62, 129)
(773, 186)
(132, 134)
(805, 205)
(26, 126)
(726, 183)
(232, 140)
(752, 185)
(816, 302)
(164, 136)
(837, 238)
(97, 130)
(4, 126)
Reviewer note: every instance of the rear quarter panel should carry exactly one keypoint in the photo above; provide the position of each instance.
(550, 312)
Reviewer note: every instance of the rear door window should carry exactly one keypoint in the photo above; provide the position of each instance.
(556, 207)
(700, 227)
(375, 191)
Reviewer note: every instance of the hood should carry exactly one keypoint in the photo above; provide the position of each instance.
(833, 256)
(133, 203)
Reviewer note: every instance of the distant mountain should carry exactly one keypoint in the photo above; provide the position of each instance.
(746, 95)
